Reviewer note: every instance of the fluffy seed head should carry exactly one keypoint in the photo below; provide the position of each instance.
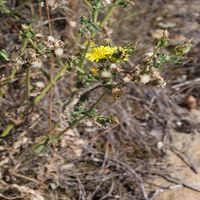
(106, 74)
(58, 52)
(145, 78)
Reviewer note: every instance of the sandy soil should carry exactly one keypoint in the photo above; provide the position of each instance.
(188, 148)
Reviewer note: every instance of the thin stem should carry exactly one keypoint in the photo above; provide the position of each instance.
(48, 17)
(50, 107)
(28, 72)
(40, 17)
(95, 13)
(51, 93)
(108, 14)
(28, 82)
(24, 45)
(32, 43)
(84, 54)
(89, 6)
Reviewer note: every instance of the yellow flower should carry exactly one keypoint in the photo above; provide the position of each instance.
(120, 54)
(125, 53)
(94, 71)
(101, 52)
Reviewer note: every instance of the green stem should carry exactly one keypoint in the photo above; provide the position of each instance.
(84, 55)
(95, 13)
(102, 24)
(24, 45)
(11, 126)
(32, 43)
(89, 6)
(108, 14)
(50, 84)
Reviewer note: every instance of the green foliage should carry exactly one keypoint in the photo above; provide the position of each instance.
(88, 27)
(161, 42)
(101, 119)
(4, 55)
(182, 48)
(27, 32)
(122, 3)
(3, 8)
(162, 56)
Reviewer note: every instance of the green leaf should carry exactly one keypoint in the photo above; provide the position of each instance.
(4, 55)
(39, 148)
(88, 26)
(122, 3)
(41, 49)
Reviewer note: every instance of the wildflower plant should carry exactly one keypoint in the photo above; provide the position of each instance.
(97, 62)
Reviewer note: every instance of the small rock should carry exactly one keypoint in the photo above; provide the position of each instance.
(191, 102)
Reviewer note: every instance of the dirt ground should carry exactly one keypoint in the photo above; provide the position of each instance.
(183, 164)
(153, 153)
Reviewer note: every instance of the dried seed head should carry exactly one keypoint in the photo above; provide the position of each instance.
(145, 78)
(73, 24)
(54, 4)
(58, 43)
(113, 66)
(37, 63)
(127, 79)
(39, 36)
(136, 71)
(58, 52)
(39, 84)
(106, 74)
(51, 39)
(149, 54)
(117, 92)
(89, 123)
(30, 55)
(106, 2)
(157, 79)
(19, 61)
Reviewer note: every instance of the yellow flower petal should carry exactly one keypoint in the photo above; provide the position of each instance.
(101, 52)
